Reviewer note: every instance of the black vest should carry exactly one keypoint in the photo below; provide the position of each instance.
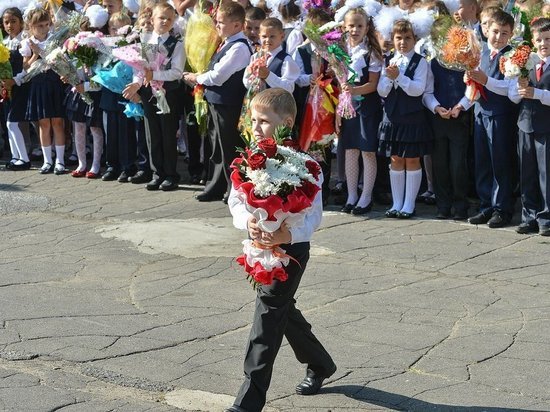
(398, 103)
(276, 65)
(495, 104)
(16, 61)
(232, 91)
(369, 103)
(449, 86)
(170, 45)
(534, 117)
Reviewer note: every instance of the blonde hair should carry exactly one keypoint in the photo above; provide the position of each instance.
(120, 17)
(276, 99)
(36, 16)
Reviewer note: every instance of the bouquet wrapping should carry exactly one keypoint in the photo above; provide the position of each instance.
(87, 49)
(144, 56)
(256, 86)
(458, 48)
(318, 120)
(330, 42)
(200, 30)
(277, 184)
(518, 62)
(6, 71)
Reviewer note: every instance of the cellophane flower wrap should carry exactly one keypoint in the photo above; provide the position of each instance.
(201, 30)
(330, 42)
(518, 62)
(6, 71)
(458, 48)
(144, 56)
(277, 184)
(256, 86)
(86, 48)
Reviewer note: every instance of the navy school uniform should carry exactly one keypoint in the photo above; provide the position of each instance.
(361, 132)
(15, 108)
(404, 130)
(81, 112)
(494, 143)
(534, 154)
(46, 97)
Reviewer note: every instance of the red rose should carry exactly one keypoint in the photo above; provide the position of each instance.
(261, 275)
(269, 146)
(309, 189)
(279, 274)
(257, 161)
(291, 143)
(313, 168)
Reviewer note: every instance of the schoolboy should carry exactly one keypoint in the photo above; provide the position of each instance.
(253, 18)
(494, 129)
(224, 93)
(162, 128)
(533, 93)
(276, 315)
(468, 14)
(280, 69)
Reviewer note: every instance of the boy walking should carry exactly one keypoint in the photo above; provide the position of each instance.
(276, 314)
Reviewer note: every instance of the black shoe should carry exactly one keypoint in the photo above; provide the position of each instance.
(443, 214)
(347, 208)
(123, 177)
(46, 168)
(357, 210)
(195, 180)
(479, 219)
(312, 383)
(406, 215)
(498, 219)
(460, 215)
(168, 185)
(110, 175)
(225, 198)
(154, 184)
(544, 231)
(392, 213)
(140, 177)
(22, 166)
(525, 228)
(207, 197)
(233, 409)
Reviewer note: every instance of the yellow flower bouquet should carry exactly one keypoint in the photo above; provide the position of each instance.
(6, 71)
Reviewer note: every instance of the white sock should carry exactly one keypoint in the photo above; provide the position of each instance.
(47, 152)
(369, 176)
(352, 175)
(397, 182)
(414, 179)
(16, 135)
(80, 144)
(60, 154)
(97, 135)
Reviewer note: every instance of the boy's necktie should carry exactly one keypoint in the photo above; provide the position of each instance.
(493, 54)
(540, 71)
(220, 47)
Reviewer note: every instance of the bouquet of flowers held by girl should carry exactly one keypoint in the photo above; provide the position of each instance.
(330, 42)
(6, 71)
(518, 62)
(278, 185)
(458, 48)
(201, 30)
(87, 49)
(256, 86)
(144, 56)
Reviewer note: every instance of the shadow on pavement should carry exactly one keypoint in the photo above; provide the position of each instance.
(10, 188)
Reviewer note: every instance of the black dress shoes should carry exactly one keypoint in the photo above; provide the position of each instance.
(391, 213)
(347, 208)
(499, 219)
(312, 382)
(168, 185)
(140, 177)
(358, 210)
(21, 166)
(123, 177)
(110, 175)
(479, 219)
(406, 215)
(154, 184)
(460, 215)
(208, 197)
(526, 228)
(544, 231)
(443, 214)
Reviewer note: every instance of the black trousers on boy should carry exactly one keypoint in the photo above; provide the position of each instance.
(276, 316)
(161, 132)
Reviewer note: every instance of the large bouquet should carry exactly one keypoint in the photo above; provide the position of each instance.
(518, 62)
(330, 42)
(256, 86)
(458, 48)
(144, 56)
(201, 30)
(277, 184)
(6, 71)
(87, 49)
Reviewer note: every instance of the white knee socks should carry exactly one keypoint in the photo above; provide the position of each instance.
(397, 182)
(80, 144)
(413, 181)
(369, 176)
(17, 142)
(352, 175)
(97, 135)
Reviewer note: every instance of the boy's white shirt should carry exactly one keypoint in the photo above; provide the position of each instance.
(429, 100)
(299, 234)
(234, 60)
(26, 51)
(177, 61)
(413, 87)
(539, 94)
(289, 72)
(294, 40)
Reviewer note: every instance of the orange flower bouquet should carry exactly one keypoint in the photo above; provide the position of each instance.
(518, 62)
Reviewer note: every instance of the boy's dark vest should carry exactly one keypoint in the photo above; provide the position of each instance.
(287, 32)
(449, 86)
(170, 45)
(398, 103)
(276, 65)
(495, 104)
(232, 91)
(534, 117)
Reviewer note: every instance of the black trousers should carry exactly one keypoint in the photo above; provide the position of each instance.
(194, 140)
(224, 138)
(450, 162)
(276, 316)
(161, 132)
(120, 141)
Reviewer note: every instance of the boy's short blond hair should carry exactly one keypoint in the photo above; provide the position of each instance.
(233, 11)
(272, 23)
(278, 100)
(120, 17)
(163, 5)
